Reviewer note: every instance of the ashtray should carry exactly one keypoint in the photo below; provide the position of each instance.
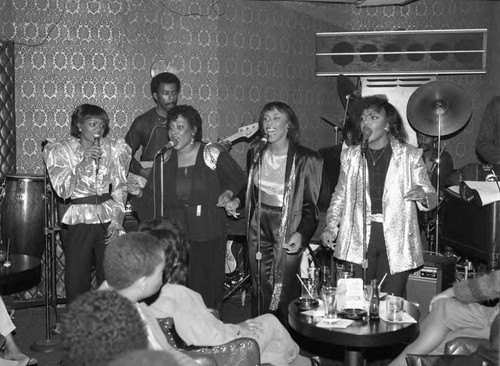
(305, 303)
(353, 314)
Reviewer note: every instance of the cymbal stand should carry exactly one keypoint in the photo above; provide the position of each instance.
(49, 344)
(440, 110)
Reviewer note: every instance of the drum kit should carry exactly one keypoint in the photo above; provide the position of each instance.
(438, 109)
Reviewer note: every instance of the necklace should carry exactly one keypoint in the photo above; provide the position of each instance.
(374, 160)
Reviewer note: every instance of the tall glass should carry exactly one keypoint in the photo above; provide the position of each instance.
(329, 301)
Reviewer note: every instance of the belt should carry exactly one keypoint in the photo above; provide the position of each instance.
(89, 200)
(377, 217)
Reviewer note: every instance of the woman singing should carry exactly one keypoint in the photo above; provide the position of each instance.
(396, 179)
(198, 180)
(289, 178)
(90, 171)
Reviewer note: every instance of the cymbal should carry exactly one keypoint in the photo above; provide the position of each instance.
(347, 91)
(439, 102)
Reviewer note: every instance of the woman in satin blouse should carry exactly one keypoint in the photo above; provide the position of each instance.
(89, 171)
(396, 179)
(289, 178)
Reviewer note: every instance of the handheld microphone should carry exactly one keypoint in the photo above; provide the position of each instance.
(260, 149)
(167, 147)
(97, 142)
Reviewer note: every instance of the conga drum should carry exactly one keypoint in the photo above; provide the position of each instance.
(22, 211)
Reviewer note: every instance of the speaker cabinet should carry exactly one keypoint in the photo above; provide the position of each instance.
(455, 51)
(437, 274)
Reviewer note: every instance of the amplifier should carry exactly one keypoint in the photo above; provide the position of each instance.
(437, 274)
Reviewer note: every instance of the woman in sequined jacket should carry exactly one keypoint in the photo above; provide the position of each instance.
(88, 170)
(290, 180)
(396, 178)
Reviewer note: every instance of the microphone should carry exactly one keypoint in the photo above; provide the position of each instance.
(260, 149)
(167, 147)
(97, 142)
(367, 132)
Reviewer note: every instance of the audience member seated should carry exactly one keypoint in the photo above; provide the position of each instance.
(196, 324)
(456, 312)
(100, 326)
(133, 266)
(145, 357)
(10, 350)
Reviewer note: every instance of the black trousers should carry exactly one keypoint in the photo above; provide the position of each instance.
(378, 264)
(206, 270)
(269, 239)
(83, 245)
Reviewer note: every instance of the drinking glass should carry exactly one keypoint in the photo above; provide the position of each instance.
(328, 293)
(313, 277)
(394, 308)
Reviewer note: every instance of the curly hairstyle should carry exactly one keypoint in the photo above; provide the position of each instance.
(130, 257)
(293, 133)
(174, 244)
(380, 102)
(192, 117)
(100, 326)
(84, 112)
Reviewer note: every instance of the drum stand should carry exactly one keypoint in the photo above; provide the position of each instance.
(50, 218)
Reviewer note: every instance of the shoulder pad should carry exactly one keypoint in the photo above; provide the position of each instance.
(211, 154)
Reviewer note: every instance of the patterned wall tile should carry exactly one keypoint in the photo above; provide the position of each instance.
(232, 59)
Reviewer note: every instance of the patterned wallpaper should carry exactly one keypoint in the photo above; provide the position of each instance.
(232, 57)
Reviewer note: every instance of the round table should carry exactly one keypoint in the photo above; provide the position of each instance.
(23, 267)
(359, 335)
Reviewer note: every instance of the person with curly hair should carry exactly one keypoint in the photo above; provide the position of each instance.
(99, 326)
(197, 325)
(175, 246)
(197, 181)
(395, 184)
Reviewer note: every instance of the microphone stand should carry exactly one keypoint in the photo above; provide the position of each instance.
(49, 344)
(364, 264)
(258, 254)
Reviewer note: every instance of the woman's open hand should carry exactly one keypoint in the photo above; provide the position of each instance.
(232, 206)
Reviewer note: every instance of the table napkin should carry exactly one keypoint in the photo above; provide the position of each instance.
(407, 318)
(339, 323)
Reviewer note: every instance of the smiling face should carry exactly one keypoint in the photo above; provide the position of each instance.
(90, 128)
(275, 125)
(180, 130)
(376, 122)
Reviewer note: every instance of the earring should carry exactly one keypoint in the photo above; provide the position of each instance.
(192, 139)
(287, 127)
(386, 129)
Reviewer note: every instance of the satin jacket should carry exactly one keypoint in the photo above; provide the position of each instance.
(301, 214)
(72, 177)
(300, 210)
(401, 232)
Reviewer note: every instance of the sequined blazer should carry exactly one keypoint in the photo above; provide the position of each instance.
(345, 214)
